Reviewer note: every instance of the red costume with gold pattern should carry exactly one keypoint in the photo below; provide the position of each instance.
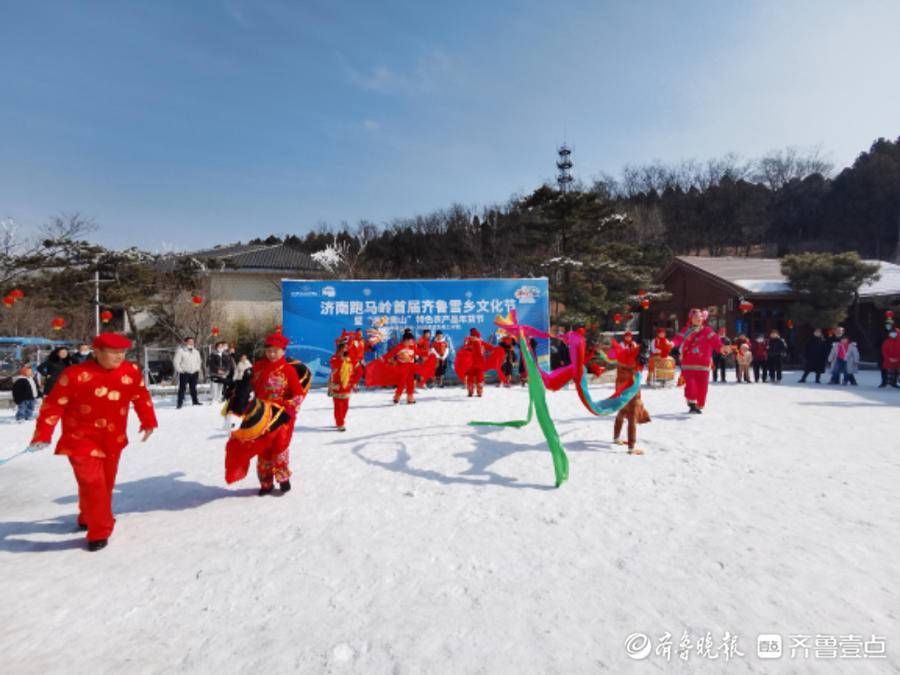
(276, 382)
(92, 403)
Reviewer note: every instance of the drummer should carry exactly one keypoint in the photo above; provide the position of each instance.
(658, 354)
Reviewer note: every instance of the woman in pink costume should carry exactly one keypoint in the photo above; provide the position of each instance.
(697, 343)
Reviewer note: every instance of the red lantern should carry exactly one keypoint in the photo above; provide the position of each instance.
(58, 323)
(645, 303)
(9, 301)
(197, 300)
(746, 306)
(106, 316)
(16, 294)
(617, 317)
(889, 314)
(215, 331)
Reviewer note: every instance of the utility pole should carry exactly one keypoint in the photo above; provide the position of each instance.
(96, 302)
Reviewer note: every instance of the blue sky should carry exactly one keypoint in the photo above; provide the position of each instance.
(185, 124)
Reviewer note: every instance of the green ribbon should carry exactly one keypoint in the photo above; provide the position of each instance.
(537, 404)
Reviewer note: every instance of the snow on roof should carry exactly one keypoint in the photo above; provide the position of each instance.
(763, 275)
(888, 284)
(763, 285)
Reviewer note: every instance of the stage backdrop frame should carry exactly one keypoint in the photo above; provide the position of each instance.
(315, 311)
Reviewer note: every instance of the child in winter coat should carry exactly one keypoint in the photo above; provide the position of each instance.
(760, 358)
(844, 361)
(25, 393)
(743, 361)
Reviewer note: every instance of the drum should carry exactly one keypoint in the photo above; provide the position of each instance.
(663, 369)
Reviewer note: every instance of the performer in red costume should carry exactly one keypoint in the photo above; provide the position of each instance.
(697, 342)
(440, 350)
(276, 381)
(341, 383)
(92, 400)
(471, 362)
(626, 355)
(423, 349)
(507, 360)
(404, 357)
(356, 351)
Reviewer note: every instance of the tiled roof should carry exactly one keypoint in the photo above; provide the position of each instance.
(260, 257)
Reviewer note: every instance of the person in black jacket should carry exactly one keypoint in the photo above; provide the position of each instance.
(815, 356)
(220, 366)
(50, 369)
(25, 392)
(776, 351)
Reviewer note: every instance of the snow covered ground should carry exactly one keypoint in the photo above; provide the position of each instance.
(416, 544)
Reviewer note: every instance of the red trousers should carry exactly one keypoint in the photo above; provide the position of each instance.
(341, 405)
(96, 478)
(475, 380)
(271, 451)
(696, 384)
(407, 381)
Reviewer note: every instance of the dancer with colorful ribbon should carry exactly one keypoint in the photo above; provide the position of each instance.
(627, 355)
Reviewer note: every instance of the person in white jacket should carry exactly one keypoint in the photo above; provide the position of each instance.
(187, 363)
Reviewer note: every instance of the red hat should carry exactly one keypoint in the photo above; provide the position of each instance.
(474, 333)
(277, 340)
(111, 341)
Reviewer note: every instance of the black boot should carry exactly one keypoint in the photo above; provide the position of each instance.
(285, 486)
(694, 410)
(263, 491)
(97, 544)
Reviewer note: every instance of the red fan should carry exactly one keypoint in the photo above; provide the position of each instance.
(197, 300)
(9, 301)
(58, 323)
(106, 316)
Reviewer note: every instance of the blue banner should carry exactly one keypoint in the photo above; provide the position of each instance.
(315, 312)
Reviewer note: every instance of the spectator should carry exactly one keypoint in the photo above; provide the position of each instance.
(742, 362)
(220, 366)
(776, 350)
(242, 366)
(844, 361)
(25, 393)
(83, 353)
(187, 363)
(720, 360)
(50, 369)
(760, 358)
(890, 358)
(815, 356)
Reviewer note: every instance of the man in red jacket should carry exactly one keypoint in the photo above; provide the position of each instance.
(92, 400)
(890, 359)
(276, 381)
